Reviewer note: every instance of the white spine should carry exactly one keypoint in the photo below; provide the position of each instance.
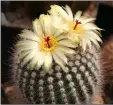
(78, 76)
(62, 89)
(52, 95)
(40, 89)
(91, 82)
(31, 90)
(73, 90)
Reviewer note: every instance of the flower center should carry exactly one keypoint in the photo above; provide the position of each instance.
(48, 43)
(77, 27)
(47, 40)
(77, 23)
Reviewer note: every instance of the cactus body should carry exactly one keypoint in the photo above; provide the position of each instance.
(76, 84)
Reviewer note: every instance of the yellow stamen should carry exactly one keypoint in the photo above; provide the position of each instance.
(48, 43)
(79, 29)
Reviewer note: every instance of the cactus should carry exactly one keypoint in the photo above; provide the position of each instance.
(57, 62)
(77, 84)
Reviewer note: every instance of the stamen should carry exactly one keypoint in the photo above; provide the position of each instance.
(47, 41)
(77, 22)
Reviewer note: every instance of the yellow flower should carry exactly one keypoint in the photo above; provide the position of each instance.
(80, 29)
(44, 44)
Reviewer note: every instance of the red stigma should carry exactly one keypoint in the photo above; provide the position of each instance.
(77, 22)
(47, 41)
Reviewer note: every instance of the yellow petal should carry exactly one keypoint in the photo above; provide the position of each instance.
(47, 61)
(61, 56)
(45, 21)
(69, 11)
(58, 60)
(77, 15)
(88, 20)
(37, 28)
(40, 60)
(66, 50)
(29, 35)
(57, 9)
(67, 43)
(91, 26)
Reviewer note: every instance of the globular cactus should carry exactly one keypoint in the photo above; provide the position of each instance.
(77, 84)
(52, 69)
